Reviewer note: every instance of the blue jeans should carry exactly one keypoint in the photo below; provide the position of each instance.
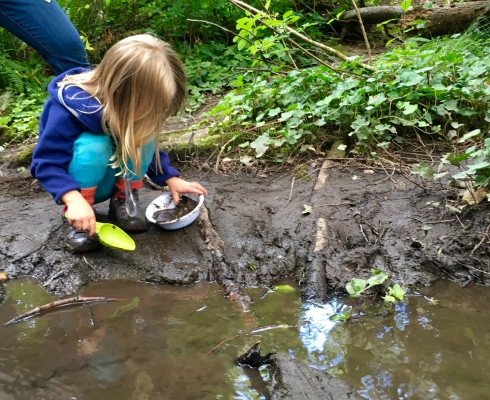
(90, 164)
(43, 25)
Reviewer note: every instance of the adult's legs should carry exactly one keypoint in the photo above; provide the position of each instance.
(43, 25)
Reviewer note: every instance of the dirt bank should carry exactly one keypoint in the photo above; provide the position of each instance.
(358, 220)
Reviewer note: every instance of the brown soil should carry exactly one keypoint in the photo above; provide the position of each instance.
(254, 232)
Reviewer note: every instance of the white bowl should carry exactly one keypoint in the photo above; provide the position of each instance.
(164, 201)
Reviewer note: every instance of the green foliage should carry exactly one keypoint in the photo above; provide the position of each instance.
(422, 87)
(355, 287)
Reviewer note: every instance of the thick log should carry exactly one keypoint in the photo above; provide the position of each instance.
(441, 19)
(444, 19)
(372, 15)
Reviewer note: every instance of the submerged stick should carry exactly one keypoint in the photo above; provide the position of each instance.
(59, 303)
(254, 330)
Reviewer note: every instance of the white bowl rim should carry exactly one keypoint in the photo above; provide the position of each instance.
(168, 194)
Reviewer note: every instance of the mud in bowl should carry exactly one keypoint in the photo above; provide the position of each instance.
(163, 212)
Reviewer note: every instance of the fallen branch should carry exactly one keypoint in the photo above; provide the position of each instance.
(335, 204)
(59, 303)
(368, 47)
(336, 53)
(254, 330)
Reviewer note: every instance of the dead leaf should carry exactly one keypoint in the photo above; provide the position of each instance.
(368, 171)
(475, 196)
(307, 209)
(3, 276)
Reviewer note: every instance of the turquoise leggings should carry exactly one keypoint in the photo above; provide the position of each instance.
(90, 164)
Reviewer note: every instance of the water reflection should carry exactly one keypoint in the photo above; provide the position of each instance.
(153, 344)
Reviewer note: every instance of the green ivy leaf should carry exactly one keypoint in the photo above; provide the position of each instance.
(389, 299)
(423, 170)
(355, 286)
(261, 144)
(397, 291)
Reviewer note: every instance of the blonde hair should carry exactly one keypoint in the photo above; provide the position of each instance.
(140, 82)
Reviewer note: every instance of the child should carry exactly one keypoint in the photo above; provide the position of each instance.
(99, 126)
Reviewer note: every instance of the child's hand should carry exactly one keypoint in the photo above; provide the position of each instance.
(178, 186)
(80, 214)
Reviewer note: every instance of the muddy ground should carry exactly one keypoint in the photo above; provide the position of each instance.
(361, 218)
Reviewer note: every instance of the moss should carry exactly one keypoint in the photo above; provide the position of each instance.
(24, 157)
(204, 145)
(335, 152)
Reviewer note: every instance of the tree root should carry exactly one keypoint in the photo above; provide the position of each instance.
(231, 289)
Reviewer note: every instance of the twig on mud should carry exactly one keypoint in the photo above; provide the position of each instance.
(254, 330)
(407, 178)
(335, 204)
(462, 225)
(363, 234)
(216, 166)
(481, 241)
(58, 274)
(432, 222)
(476, 269)
(90, 265)
(380, 236)
(59, 303)
(389, 176)
(291, 192)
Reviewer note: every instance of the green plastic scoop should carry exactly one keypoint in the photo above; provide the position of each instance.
(114, 237)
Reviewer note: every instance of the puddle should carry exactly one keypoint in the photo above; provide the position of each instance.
(153, 345)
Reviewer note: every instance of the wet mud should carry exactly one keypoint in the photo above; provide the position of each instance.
(294, 380)
(332, 223)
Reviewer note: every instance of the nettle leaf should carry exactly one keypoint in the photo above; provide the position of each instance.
(423, 170)
(355, 286)
(261, 144)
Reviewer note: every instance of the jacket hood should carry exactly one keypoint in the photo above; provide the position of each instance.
(78, 102)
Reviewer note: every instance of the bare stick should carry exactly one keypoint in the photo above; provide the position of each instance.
(59, 273)
(476, 269)
(152, 184)
(59, 303)
(335, 204)
(363, 234)
(481, 241)
(216, 166)
(291, 192)
(254, 330)
(363, 33)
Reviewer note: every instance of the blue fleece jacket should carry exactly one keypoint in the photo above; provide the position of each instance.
(66, 114)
